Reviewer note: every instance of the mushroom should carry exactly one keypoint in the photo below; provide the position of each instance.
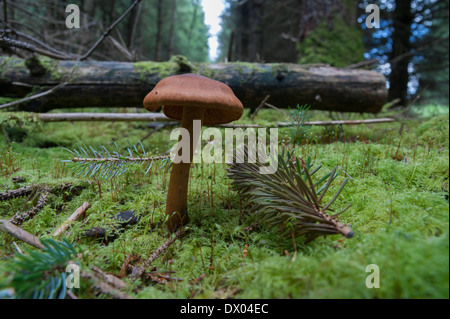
(189, 97)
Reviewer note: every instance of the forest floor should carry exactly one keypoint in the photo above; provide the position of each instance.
(400, 212)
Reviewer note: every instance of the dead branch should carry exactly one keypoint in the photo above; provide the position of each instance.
(75, 117)
(105, 283)
(35, 41)
(108, 31)
(11, 229)
(103, 286)
(367, 63)
(138, 272)
(34, 97)
(259, 107)
(20, 218)
(5, 41)
(159, 117)
(75, 216)
(16, 193)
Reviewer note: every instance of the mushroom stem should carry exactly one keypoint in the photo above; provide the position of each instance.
(176, 205)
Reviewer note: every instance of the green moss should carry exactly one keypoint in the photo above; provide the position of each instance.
(176, 64)
(51, 67)
(280, 70)
(247, 70)
(339, 47)
(8, 63)
(400, 214)
(18, 118)
(435, 131)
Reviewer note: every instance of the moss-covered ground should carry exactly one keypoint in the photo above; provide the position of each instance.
(400, 213)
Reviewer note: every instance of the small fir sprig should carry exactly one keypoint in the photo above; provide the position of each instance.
(42, 274)
(101, 163)
(298, 116)
(289, 199)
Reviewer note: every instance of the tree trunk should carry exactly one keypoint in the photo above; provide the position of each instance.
(255, 30)
(172, 26)
(194, 19)
(159, 31)
(122, 84)
(242, 53)
(399, 77)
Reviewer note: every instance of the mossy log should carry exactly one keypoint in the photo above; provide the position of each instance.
(120, 84)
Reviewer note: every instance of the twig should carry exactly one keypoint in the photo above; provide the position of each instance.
(313, 123)
(20, 192)
(75, 117)
(75, 216)
(20, 218)
(276, 108)
(34, 97)
(27, 190)
(108, 31)
(109, 279)
(9, 29)
(29, 47)
(259, 107)
(11, 229)
(71, 295)
(17, 248)
(138, 272)
(408, 54)
(37, 41)
(367, 63)
(104, 287)
(116, 159)
(156, 117)
(106, 284)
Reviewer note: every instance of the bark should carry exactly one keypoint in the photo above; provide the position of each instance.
(122, 84)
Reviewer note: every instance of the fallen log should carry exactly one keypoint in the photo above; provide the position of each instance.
(121, 84)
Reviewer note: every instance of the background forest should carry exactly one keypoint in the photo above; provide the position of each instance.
(410, 46)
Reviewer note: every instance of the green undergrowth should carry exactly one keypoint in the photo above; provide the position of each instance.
(400, 215)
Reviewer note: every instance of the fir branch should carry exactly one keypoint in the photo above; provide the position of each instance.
(299, 117)
(41, 274)
(101, 163)
(139, 271)
(288, 199)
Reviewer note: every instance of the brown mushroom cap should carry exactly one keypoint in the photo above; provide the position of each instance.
(220, 104)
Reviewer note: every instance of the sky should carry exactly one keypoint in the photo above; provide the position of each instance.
(213, 9)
